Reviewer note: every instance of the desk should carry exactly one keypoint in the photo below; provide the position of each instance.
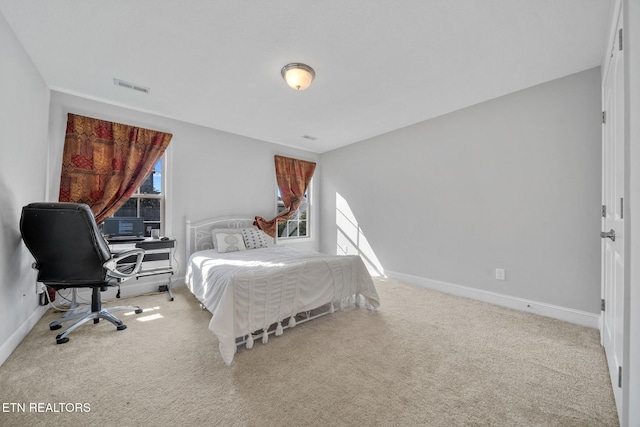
(158, 258)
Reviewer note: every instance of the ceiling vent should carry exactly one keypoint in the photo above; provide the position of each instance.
(131, 86)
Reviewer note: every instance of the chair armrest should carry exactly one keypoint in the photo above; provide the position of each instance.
(124, 271)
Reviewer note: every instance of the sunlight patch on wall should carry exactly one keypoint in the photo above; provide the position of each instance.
(351, 240)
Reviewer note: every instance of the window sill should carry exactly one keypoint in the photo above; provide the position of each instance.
(296, 239)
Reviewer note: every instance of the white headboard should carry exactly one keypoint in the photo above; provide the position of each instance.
(199, 233)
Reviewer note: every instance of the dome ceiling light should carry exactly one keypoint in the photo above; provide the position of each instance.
(298, 76)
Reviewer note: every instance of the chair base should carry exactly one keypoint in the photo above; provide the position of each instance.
(76, 311)
(95, 313)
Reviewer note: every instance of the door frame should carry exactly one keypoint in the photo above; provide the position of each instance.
(614, 256)
(630, 12)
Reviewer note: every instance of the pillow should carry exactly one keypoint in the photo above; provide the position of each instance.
(215, 231)
(254, 238)
(229, 242)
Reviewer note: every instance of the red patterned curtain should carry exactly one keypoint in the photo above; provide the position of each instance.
(103, 162)
(293, 177)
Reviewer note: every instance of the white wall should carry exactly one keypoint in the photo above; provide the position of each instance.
(511, 183)
(24, 107)
(211, 173)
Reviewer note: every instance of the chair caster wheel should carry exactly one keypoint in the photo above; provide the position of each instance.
(138, 311)
(121, 327)
(62, 340)
(54, 327)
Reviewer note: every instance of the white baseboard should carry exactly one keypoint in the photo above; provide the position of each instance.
(565, 314)
(133, 287)
(16, 338)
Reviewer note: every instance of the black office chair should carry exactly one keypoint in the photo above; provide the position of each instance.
(70, 252)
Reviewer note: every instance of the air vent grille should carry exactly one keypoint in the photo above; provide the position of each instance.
(131, 86)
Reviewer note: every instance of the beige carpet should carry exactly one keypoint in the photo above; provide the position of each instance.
(424, 358)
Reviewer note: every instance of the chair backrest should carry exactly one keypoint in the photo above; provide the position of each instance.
(66, 243)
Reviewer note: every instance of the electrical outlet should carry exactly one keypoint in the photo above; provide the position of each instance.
(500, 274)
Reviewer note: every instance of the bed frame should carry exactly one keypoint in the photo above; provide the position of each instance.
(199, 238)
(278, 328)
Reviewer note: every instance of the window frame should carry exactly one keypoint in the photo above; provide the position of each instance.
(309, 228)
(162, 197)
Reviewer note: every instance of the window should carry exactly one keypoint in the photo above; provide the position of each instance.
(148, 201)
(298, 225)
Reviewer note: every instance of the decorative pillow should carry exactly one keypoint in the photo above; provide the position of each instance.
(254, 238)
(215, 231)
(229, 242)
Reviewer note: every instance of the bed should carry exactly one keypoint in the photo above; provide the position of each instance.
(257, 288)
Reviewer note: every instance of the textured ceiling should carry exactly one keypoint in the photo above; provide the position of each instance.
(381, 64)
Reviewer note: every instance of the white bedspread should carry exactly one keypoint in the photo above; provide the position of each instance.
(249, 290)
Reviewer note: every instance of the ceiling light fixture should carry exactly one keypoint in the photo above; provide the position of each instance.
(298, 76)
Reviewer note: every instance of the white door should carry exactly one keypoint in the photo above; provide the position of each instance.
(613, 215)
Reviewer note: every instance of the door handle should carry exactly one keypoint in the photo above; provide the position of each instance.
(610, 234)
